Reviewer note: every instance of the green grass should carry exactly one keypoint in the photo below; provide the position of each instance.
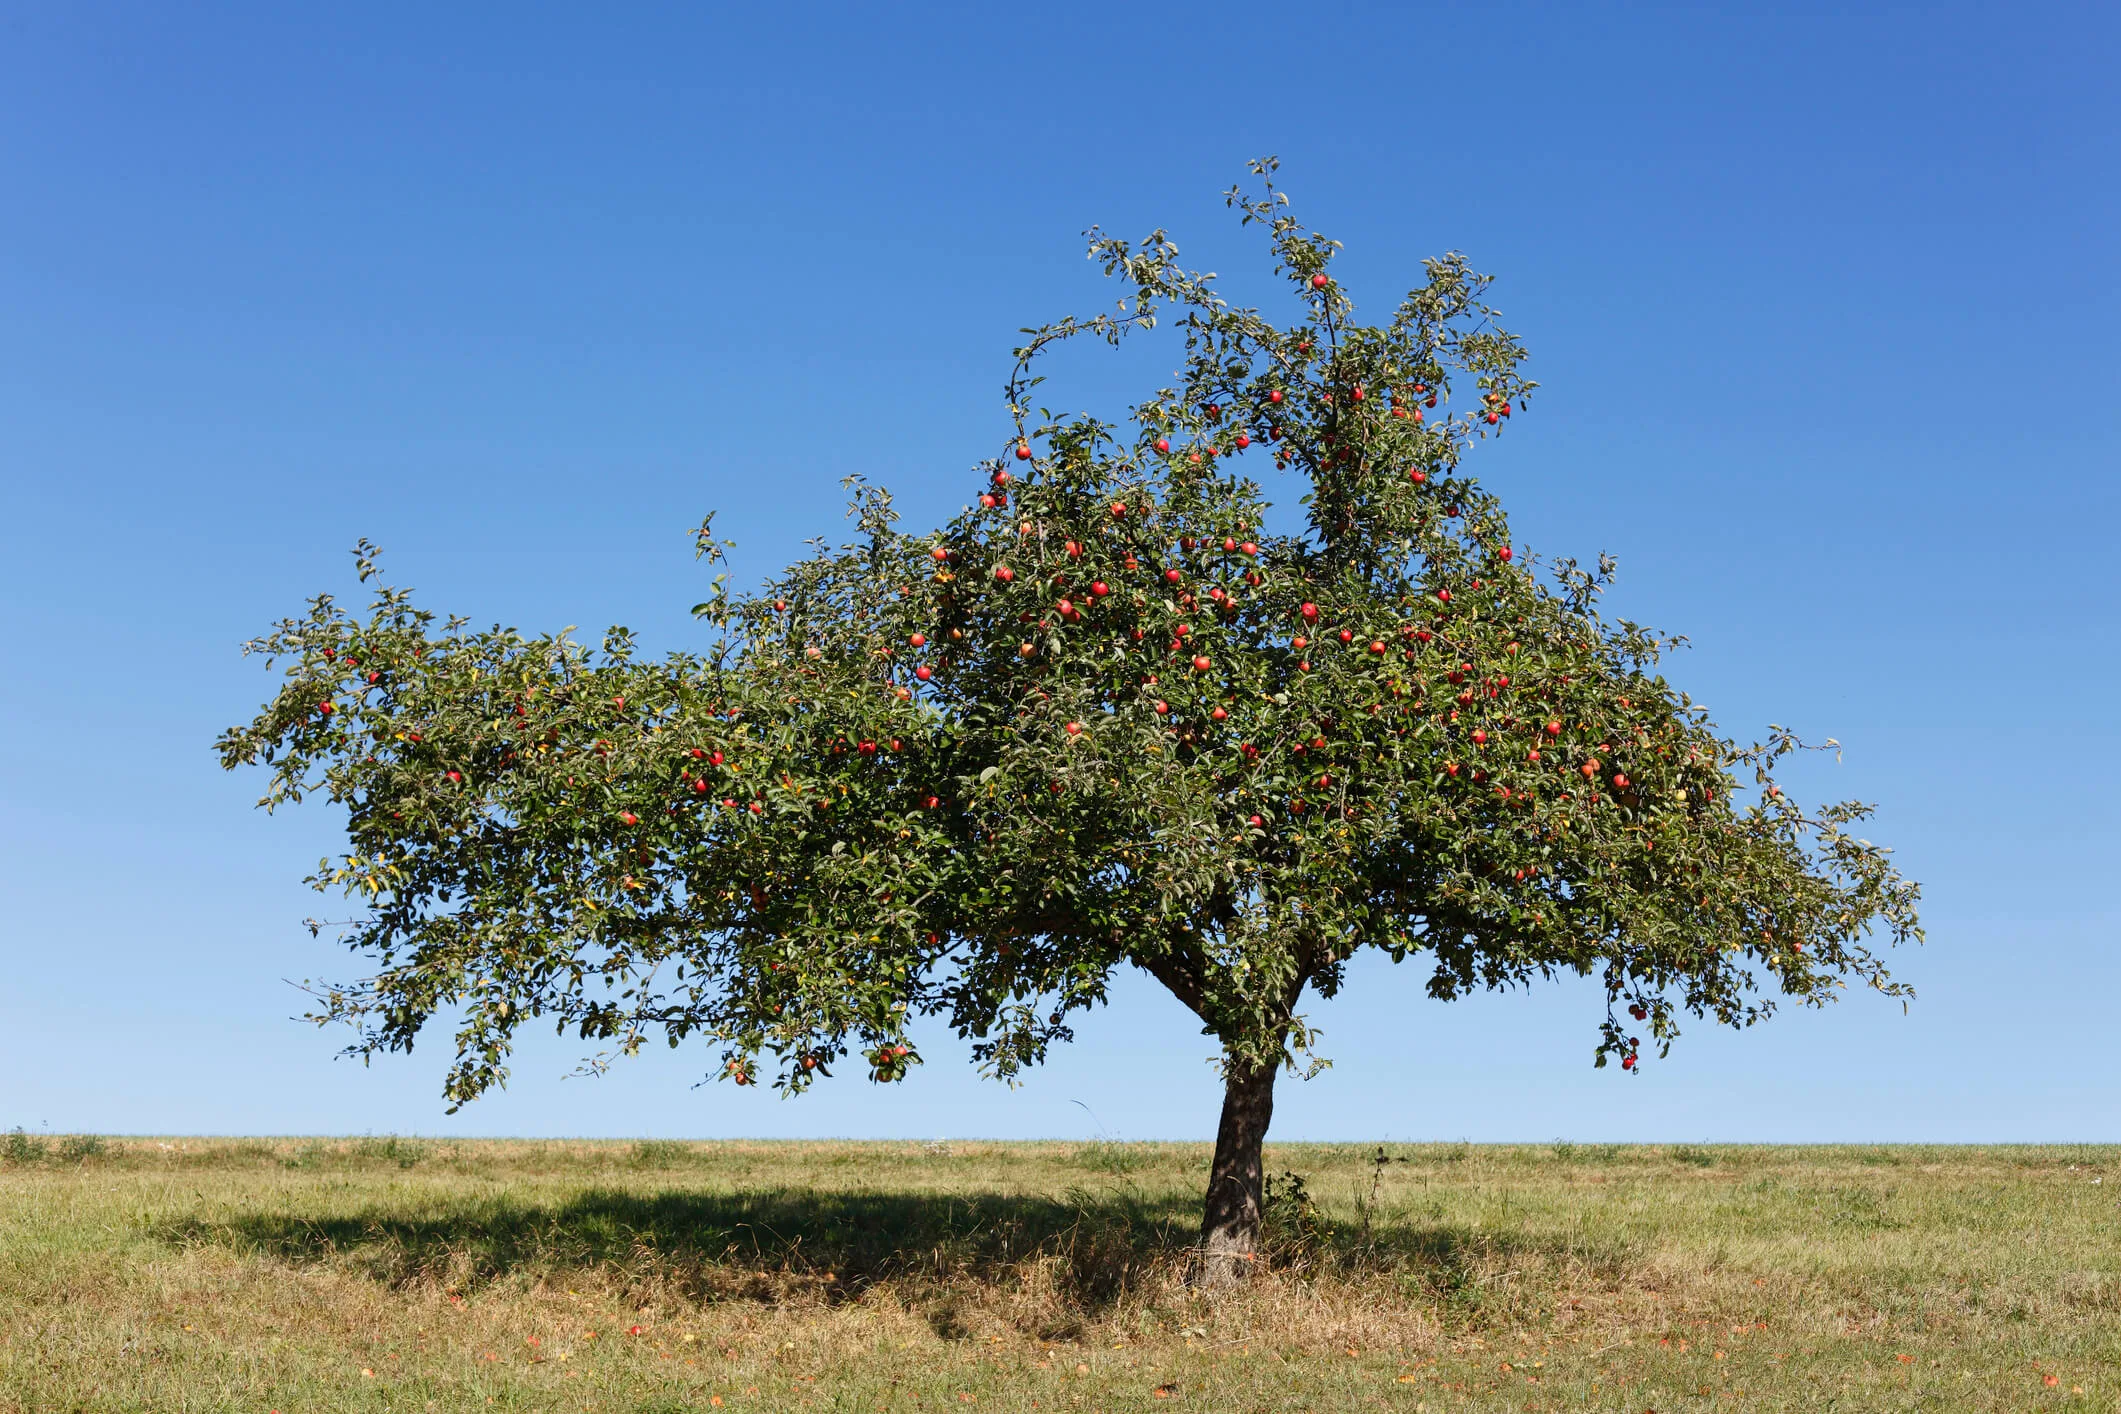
(396, 1274)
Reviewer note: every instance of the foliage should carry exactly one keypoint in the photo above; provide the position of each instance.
(1106, 717)
(80, 1148)
(18, 1146)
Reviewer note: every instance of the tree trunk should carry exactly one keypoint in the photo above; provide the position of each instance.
(1229, 1231)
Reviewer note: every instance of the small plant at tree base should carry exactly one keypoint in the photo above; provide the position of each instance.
(1290, 1219)
(1105, 718)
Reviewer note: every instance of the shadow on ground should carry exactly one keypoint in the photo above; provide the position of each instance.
(1083, 1253)
(761, 1244)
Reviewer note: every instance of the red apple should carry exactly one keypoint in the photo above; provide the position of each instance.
(1023, 453)
(1162, 708)
(938, 553)
(924, 672)
(1163, 444)
(1004, 573)
(1218, 714)
(1201, 663)
(1310, 613)
(1172, 575)
(627, 817)
(1318, 282)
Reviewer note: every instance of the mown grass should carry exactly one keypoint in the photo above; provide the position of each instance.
(405, 1274)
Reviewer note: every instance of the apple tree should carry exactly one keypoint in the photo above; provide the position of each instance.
(1120, 713)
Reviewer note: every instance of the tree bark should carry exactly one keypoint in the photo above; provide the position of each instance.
(1229, 1231)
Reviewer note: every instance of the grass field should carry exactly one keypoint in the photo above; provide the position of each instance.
(392, 1274)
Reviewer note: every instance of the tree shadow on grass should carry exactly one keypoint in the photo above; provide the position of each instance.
(1059, 1261)
(771, 1245)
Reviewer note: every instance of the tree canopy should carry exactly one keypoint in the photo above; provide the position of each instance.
(1120, 712)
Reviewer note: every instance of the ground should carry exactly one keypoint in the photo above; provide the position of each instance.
(394, 1274)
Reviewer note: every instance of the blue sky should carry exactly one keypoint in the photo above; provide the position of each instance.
(1823, 300)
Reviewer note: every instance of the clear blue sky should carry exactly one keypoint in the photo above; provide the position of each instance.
(1824, 301)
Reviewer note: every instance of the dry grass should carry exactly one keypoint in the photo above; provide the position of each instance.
(410, 1275)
